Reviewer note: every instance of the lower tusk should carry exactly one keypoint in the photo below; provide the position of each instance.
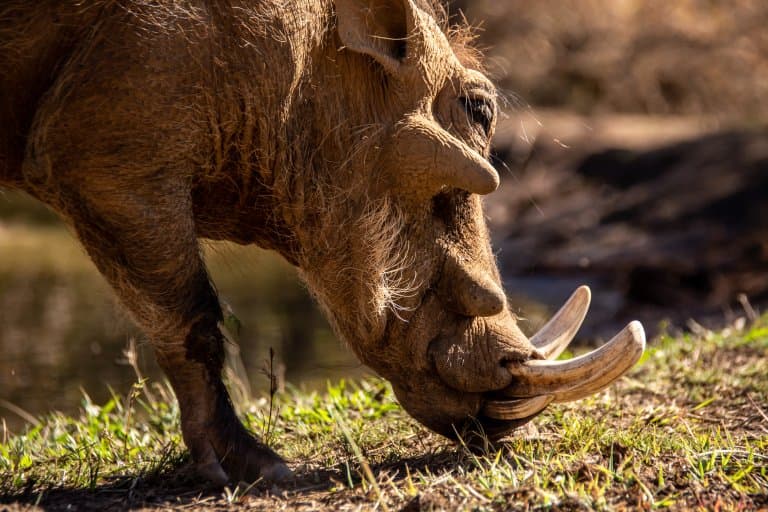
(516, 409)
(581, 376)
(556, 334)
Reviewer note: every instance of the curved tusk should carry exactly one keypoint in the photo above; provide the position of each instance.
(581, 376)
(516, 409)
(556, 334)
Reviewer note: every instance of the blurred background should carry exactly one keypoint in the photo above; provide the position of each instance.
(634, 155)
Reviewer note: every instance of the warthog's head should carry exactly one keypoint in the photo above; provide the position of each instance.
(392, 235)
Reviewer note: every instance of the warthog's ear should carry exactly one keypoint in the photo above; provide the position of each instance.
(379, 28)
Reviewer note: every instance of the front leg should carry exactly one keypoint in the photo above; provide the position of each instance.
(117, 155)
(142, 238)
(221, 447)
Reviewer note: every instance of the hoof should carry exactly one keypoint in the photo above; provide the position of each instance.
(236, 457)
(213, 473)
(277, 473)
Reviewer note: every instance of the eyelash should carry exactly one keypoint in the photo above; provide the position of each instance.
(480, 111)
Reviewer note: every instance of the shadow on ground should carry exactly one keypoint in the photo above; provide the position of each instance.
(177, 486)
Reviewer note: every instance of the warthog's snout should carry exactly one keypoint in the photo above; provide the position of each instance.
(491, 375)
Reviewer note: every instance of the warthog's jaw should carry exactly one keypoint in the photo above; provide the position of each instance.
(512, 391)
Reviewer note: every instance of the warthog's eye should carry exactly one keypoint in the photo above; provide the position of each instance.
(480, 111)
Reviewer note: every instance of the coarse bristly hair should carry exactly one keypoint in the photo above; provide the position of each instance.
(309, 147)
(353, 249)
(351, 136)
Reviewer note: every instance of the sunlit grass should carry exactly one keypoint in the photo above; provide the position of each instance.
(687, 429)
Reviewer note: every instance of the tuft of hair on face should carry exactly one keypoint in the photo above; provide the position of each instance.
(463, 40)
(354, 249)
(389, 260)
(461, 35)
(369, 279)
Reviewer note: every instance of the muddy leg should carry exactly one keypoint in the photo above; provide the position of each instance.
(144, 242)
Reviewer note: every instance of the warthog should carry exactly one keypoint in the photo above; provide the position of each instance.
(350, 136)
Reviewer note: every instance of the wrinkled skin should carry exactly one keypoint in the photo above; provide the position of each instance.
(350, 136)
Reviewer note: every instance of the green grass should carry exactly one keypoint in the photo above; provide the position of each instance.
(686, 429)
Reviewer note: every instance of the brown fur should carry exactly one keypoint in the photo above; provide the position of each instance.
(291, 125)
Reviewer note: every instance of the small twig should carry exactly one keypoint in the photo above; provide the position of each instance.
(231, 327)
(757, 408)
(752, 315)
(269, 372)
(19, 412)
(131, 357)
(733, 452)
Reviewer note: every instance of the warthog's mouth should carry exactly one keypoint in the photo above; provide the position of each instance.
(485, 372)
(538, 382)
